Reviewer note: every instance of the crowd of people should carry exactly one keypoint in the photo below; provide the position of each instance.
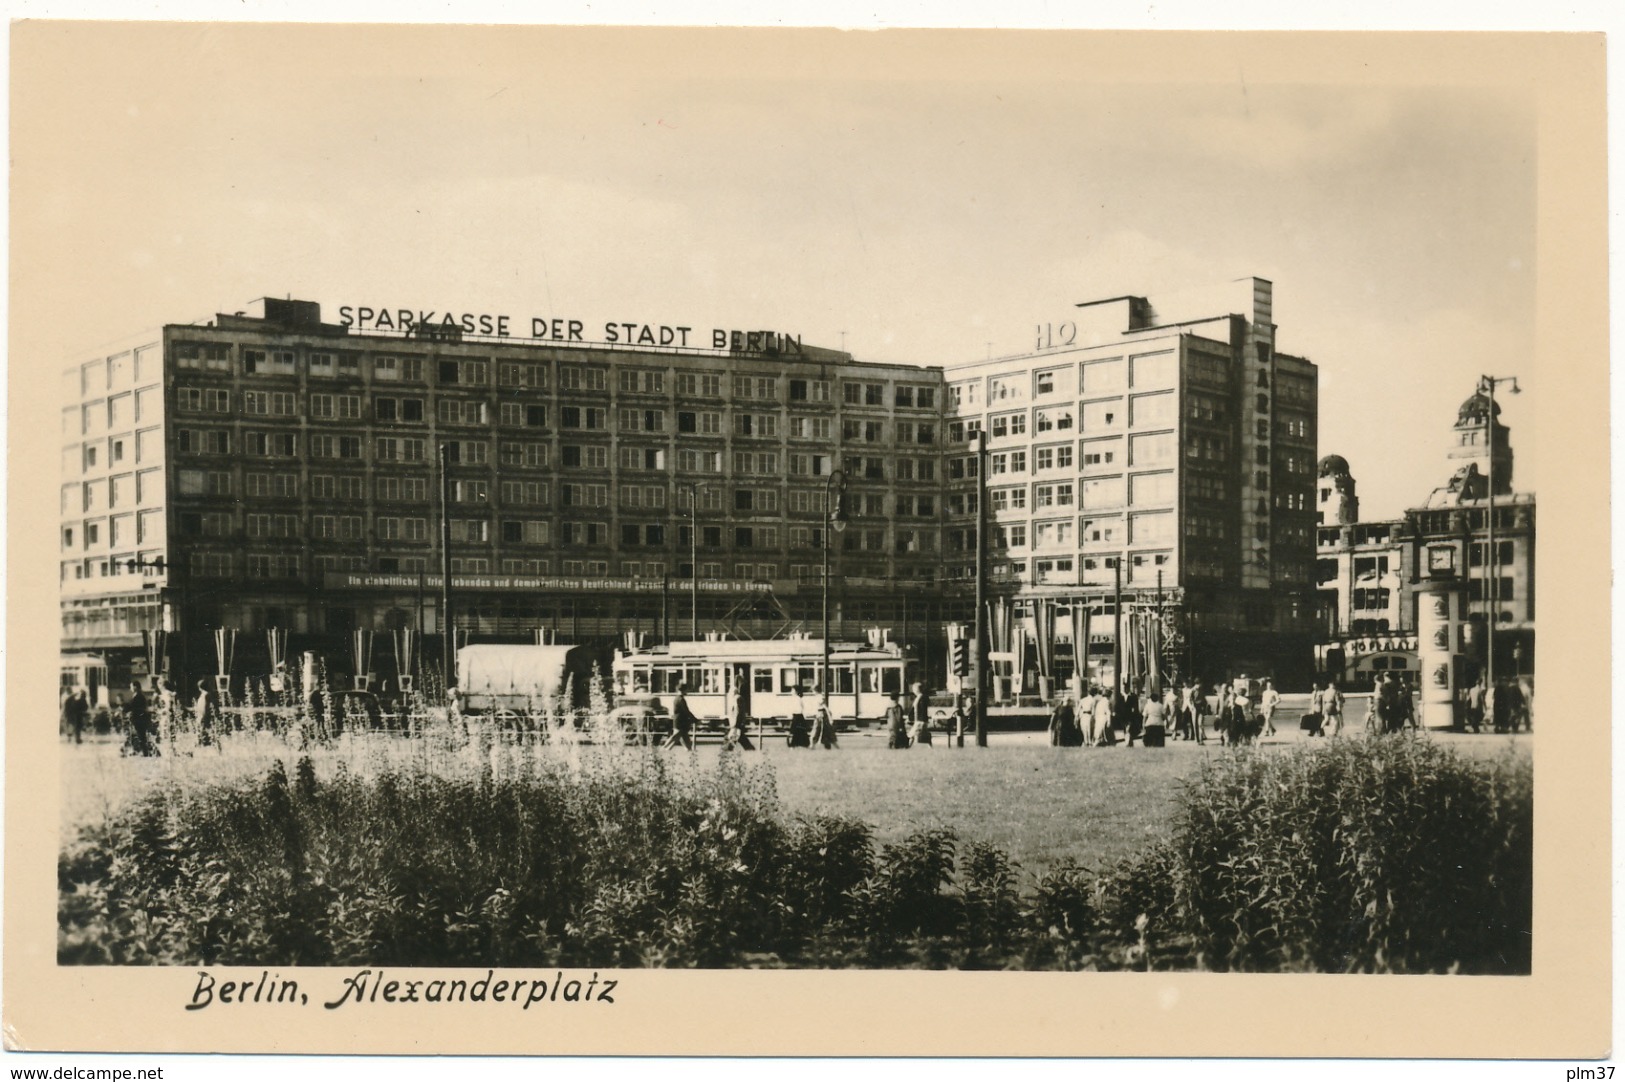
(1096, 718)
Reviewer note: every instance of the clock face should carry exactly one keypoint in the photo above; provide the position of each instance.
(1441, 558)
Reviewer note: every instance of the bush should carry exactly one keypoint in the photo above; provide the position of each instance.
(1386, 855)
(1389, 855)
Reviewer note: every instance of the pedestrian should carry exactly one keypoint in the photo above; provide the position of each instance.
(1129, 715)
(1331, 710)
(206, 712)
(1517, 713)
(1154, 717)
(738, 734)
(1100, 730)
(799, 735)
(1063, 725)
(682, 721)
(823, 732)
(1196, 709)
(138, 717)
(75, 713)
(1267, 704)
(1473, 715)
(896, 735)
(1239, 725)
(1224, 703)
(920, 707)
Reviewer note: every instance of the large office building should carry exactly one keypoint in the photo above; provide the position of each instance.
(275, 471)
(1168, 446)
(1369, 574)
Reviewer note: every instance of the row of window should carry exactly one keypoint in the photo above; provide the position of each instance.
(203, 564)
(216, 356)
(1140, 411)
(1108, 374)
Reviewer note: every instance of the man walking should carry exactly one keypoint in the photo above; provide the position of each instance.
(75, 713)
(1267, 702)
(682, 721)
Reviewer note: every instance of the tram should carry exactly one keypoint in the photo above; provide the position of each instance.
(775, 679)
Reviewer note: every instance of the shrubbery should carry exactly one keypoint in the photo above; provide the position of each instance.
(1381, 855)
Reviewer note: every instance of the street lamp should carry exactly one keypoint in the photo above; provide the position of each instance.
(694, 559)
(1486, 387)
(834, 520)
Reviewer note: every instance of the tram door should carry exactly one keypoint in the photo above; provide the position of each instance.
(742, 687)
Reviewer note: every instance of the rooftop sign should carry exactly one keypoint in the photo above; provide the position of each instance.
(433, 323)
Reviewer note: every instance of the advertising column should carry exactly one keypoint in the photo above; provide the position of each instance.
(1438, 612)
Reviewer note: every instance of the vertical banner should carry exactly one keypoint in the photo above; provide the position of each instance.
(225, 651)
(361, 649)
(155, 643)
(276, 645)
(406, 656)
(1080, 648)
(1044, 638)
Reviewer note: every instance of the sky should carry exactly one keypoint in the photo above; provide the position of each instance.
(916, 200)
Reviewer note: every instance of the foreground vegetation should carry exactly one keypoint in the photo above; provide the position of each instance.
(1388, 855)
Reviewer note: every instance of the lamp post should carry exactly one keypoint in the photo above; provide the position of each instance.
(448, 636)
(834, 521)
(1486, 387)
(693, 560)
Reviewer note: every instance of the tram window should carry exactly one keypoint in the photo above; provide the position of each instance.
(871, 681)
(761, 678)
(711, 681)
(843, 681)
(891, 680)
(787, 681)
(807, 677)
(640, 679)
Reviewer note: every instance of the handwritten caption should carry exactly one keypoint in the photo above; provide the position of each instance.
(369, 986)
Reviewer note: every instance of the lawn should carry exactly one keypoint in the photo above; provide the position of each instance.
(1039, 804)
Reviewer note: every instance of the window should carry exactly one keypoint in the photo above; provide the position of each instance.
(1007, 424)
(810, 428)
(1100, 531)
(272, 444)
(1053, 458)
(1055, 419)
(803, 390)
(1053, 495)
(641, 381)
(524, 493)
(1099, 415)
(1053, 535)
(577, 378)
(1102, 492)
(762, 387)
(524, 532)
(1013, 536)
(468, 452)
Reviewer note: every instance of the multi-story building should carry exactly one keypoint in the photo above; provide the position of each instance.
(1368, 573)
(1171, 444)
(278, 471)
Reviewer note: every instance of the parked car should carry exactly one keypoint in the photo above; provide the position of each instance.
(643, 718)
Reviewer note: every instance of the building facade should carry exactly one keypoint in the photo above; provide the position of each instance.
(280, 472)
(1172, 445)
(1369, 574)
(276, 472)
